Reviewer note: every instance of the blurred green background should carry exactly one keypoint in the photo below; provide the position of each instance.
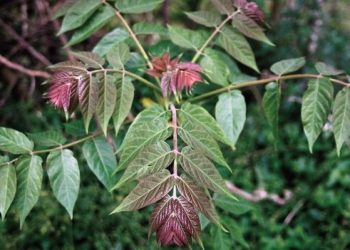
(320, 183)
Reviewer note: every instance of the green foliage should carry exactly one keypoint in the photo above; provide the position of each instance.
(271, 104)
(288, 66)
(137, 6)
(186, 38)
(206, 18)
(14, 142)
(8, 184)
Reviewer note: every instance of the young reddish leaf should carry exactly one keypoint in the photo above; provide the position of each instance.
(148, 191)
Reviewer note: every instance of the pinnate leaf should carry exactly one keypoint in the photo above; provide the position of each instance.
(250, 28)
(144, 28)
(137, 6)
(101, 160)
(341, 117)
(203, 171)
(106, 101)
(271, 104)
(78, 14)
(234, 207)
(124, 99)
(198, 116)
(47, 138)
(111, 39)
(288, 66)
(64, 177)
(230, 112)
(327, 70)
(207, 18)
(223, 6)
(316, 106)
(240, 49)
(8, 183)
(118, 55)
(90, 59)
(29, 178)
(14, 142)
(186, 38)
(150, 190)
(151, 159)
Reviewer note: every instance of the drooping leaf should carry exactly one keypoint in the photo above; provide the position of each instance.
(197, 196)
(29, 178)
(150, 190)
(341, 118)
(149, 127)
(48, 138)
(186, 38)
(316, 106)
(230, 112)
(101, 160)
(207, 18)
(234, 207)
(250, 28)
(94, 23)
(8, 183)
(271, 104)
(327, 70)
(222, 239)
(90, 59)
(14, 142)
(214, 67)
(240, 49)
(236, 232)
(150, 160)
(223, 6)
(144, 28)
(111, 39)
(198, 138)
(106, 101)
(78, 14)
(118, 55)
(288, 66)
(124, 99)
(203, 171)
(198, 116)
(88, 90)
(64, 177)
(137, 6)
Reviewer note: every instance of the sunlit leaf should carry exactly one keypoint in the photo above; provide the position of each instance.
(8, 183)
(47, 138)
(14, 142)
(288, 66)
(189, 39)
(111, 39)
(327, 70)
(118, 55)
(137, 6)
(144, 28)
(207, 18)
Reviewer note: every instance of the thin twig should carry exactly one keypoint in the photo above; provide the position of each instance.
(294, 211)
(22, 69)
(261, 82)
(259, 195)
(24, 43)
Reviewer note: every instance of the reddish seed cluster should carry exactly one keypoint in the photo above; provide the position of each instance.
(175, 221)
(175, 76)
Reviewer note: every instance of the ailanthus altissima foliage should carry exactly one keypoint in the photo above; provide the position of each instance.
(172, 149)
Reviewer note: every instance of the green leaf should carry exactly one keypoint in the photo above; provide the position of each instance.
(78, 14)
(197, 196)
(8, 183)
(88, 90)
(94, 23)
(106, 101)
(91, 60)
(250, 28)
(101, 160)
(29, 178)
(239, 49)
(137, 6)
(75, 128)
(327, 70)
(124, 99)
(203, 171)
(64, 177)
(236, 232)
(198, 116)
(230, 112)
(206, 18)
(48, 138)
(341, 117)
(288, 66)
(149, 29)
(113, 38)
(220, 239)
(214, 67)
(198, 138)
(149, 127)
(14, 142)
(271, 105)
(316, 106)
(234, 207)
(223, 6)
(148, 191)
(185, 38)
(150, 160)
(118, 55)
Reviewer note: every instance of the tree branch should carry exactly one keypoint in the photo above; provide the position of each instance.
(22, 69)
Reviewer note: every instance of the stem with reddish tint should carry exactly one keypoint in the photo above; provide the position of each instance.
(174, 126)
